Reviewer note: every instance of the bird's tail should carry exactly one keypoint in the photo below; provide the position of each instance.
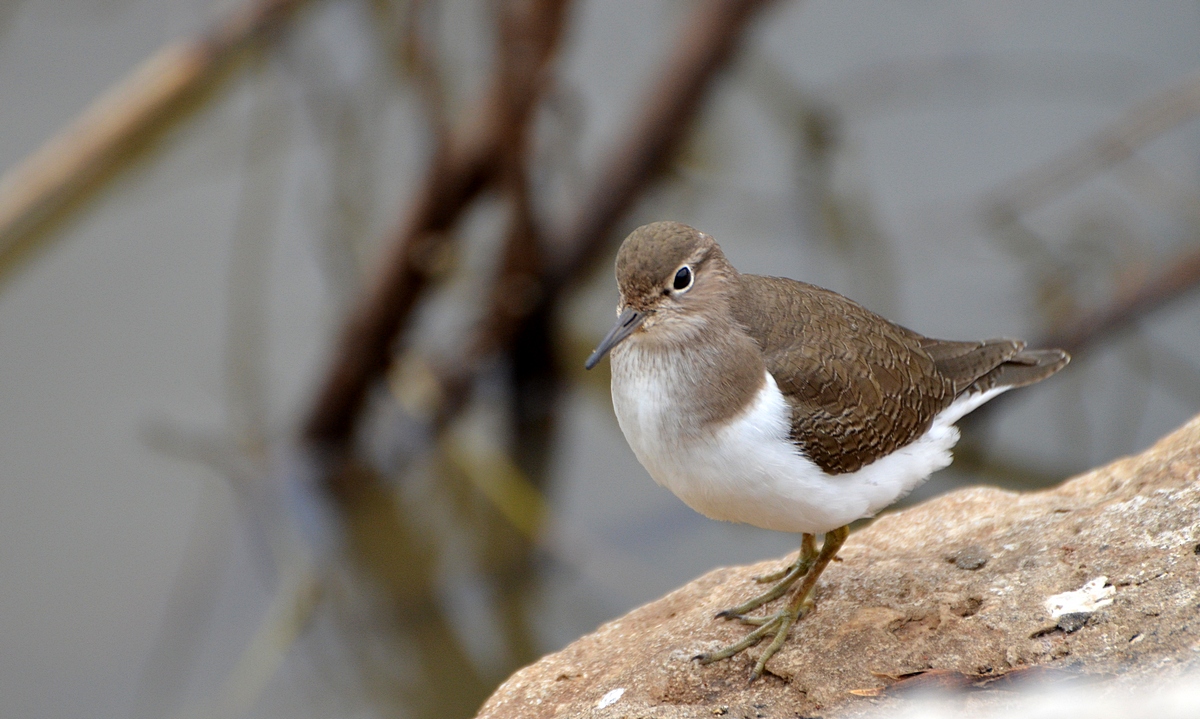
(1024, 367)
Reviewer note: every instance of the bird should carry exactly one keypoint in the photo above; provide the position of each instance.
(776, 403)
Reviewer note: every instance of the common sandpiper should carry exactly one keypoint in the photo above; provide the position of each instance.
(776, 403)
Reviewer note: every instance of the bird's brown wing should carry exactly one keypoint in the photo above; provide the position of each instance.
(861, 387)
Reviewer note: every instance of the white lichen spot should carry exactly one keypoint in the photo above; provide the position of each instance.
(1086, 599)
(610, 698)
(1129, 506)
(1173, 538)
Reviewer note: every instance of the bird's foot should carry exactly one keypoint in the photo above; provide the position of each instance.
(774, 625)
(776, 576)
(785, 577)
(788, 578)
(809, 565)
(808, 554)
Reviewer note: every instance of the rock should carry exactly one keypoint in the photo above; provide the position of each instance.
(972, 557)
(900, 610)
(1073, 621)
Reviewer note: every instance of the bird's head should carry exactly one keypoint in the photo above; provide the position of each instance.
(670, 277)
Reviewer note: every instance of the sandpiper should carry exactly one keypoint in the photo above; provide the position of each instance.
(776, 403)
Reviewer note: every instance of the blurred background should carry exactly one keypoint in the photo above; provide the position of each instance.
(295, 296)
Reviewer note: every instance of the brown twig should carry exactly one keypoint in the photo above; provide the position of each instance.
(1111, 145)
(1080, 334)
(420, 59)
(1178, 279)
(69, 162)
(507, 555)
(705, 46)
(463, 165)
(466, 167)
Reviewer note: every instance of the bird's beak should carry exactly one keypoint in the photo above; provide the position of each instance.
(629, 321)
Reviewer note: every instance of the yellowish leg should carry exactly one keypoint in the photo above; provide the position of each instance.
(778, 624)
(808, 552)
(785, 577)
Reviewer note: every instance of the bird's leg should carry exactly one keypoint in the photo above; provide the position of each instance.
(779, 623)
(786, 578)
(808, 552)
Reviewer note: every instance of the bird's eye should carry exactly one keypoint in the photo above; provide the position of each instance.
(683, 279)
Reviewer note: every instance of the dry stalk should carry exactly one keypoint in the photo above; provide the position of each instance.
(71, 161)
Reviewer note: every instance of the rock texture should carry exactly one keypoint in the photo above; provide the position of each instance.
(952, 592)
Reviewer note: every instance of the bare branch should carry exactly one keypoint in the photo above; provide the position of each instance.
(461, 168)
(1113, 144)
(1080, 334)
(420, 58)
(1109, 146)
(1178, 279)
(292, 608)
(708, 42)
(705, 46)
(69, 162)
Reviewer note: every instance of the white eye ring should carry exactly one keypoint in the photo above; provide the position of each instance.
(684, 277)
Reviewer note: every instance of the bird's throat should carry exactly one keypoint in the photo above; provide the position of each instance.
(701, 376)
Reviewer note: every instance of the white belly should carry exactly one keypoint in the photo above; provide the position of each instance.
(747, 470)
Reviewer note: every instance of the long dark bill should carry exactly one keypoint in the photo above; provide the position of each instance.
(629, 321)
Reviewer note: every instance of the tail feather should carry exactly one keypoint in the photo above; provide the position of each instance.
(966, 362)
(1023, 368)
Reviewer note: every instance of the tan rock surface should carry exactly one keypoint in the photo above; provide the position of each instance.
(958, 584)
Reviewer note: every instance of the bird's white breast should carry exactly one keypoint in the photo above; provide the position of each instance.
(747, 469)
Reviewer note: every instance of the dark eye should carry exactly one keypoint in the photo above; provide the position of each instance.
(683, 278)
